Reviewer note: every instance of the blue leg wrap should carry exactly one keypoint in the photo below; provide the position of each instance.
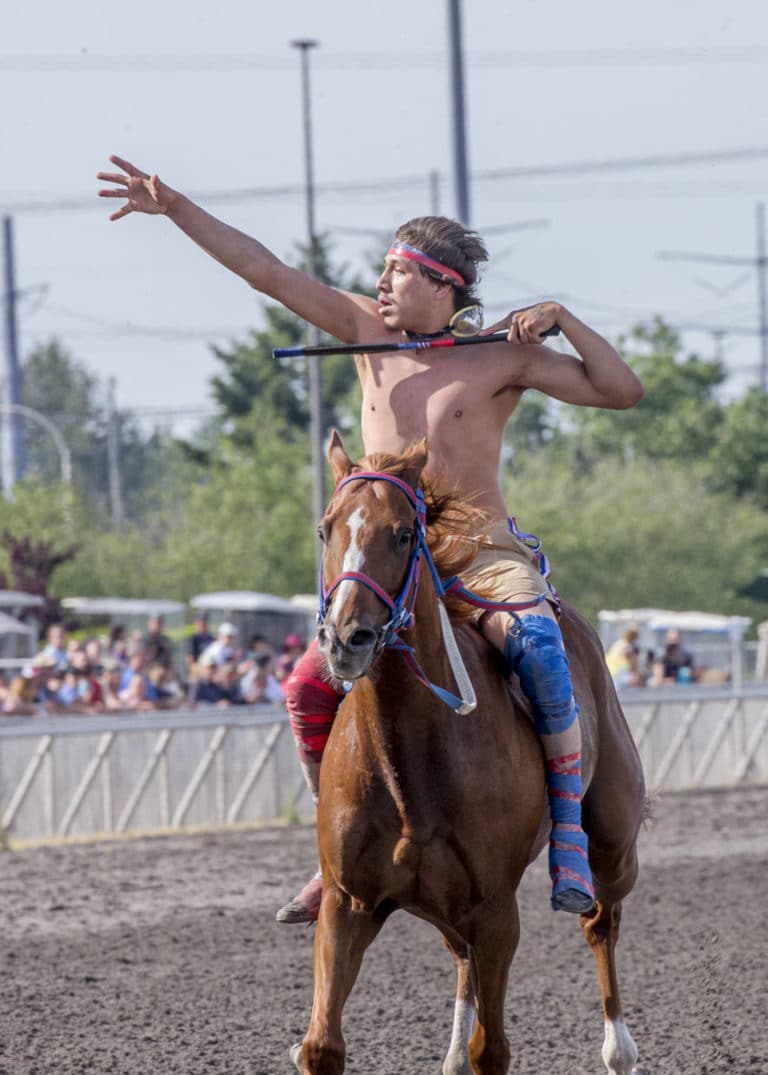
(536, 653)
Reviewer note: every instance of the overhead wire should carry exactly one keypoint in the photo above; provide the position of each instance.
(398, 184)
(87, 62)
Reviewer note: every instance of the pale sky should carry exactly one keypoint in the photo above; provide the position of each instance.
(208, 96)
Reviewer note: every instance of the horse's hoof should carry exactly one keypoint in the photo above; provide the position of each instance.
(573, 901)
(295, 912)
(306, 906)
(295, 1054)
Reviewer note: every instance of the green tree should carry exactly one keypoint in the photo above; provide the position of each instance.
(62, 389)
(250, 372)
(629, 535)
(242, 522)
(739, 458)
(679, 414)
(70, 396)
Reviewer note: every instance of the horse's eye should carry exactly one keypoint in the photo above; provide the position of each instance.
(322, 532)
(404, 537)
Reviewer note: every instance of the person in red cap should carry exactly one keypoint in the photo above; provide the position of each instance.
(293, 648)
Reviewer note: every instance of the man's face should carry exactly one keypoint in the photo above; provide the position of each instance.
(409, 300)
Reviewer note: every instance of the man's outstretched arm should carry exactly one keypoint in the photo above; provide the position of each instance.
(348, 317)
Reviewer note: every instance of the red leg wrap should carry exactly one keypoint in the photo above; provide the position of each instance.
(312, 704)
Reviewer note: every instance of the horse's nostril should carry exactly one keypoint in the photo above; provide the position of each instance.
(362, 638)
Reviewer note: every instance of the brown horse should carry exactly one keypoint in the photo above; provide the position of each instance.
(430, 809)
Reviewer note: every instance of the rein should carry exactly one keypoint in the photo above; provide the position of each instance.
(401, 607)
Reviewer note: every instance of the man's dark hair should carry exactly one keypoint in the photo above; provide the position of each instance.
(451, 243)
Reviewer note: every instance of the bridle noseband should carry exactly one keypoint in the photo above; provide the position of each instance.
(401, 607)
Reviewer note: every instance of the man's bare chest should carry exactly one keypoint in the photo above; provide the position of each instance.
(427, 401)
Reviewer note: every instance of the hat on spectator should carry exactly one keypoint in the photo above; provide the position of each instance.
(293, 641)
(228, 629)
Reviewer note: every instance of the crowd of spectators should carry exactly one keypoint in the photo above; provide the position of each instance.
(629, 667)
(124, 673)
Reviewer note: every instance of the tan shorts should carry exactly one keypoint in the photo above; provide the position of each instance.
(507, 569)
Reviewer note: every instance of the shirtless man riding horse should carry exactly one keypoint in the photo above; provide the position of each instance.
(460, 400)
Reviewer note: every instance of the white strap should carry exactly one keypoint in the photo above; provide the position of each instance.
(463, 682)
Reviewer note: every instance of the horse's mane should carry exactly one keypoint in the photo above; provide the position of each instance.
(454, 524)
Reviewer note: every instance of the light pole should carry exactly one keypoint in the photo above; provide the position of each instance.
(65, 456)
(12, 437)
(315, 392)
(460, 166)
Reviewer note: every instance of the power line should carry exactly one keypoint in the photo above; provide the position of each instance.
(405, 183)
(130, 328)
(614, 164)
(85, 62)
(760, 263)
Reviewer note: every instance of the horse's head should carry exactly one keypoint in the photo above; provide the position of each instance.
(370, 534)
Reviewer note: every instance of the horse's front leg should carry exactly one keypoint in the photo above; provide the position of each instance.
(457, 1061)
(340, 943)
(601, 930)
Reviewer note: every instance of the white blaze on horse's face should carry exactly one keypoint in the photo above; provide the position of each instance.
(354, 560)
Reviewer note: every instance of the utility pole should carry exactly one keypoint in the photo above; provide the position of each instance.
(12, 440)
(461, 171)
(760, 263)
(313, 364)
(113, 457)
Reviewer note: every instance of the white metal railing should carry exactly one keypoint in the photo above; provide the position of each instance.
(696, 737)
(81, 775)
(68, 775)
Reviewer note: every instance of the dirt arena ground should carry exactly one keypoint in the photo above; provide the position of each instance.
(158, 956)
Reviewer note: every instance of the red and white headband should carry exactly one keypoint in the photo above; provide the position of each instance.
(410, 253)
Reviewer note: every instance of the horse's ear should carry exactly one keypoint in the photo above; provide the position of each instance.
(415, 462)
(341, 464)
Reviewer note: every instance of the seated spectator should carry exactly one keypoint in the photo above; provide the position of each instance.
(676, 664)
(293, 648)
(157, 645)
(139, 694)
(623, 660)
(110, 685)
(56, 646)
(69, 693)
(117, 644)
(166, 688)
(222, 649)
(199, 641)
(257, 646)
(205, 688)
(136, 689)
(260, 683)
(17, 695)
(94, 655)
(89, 687)
(135, 666)
(49, 691)
(228, 679)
